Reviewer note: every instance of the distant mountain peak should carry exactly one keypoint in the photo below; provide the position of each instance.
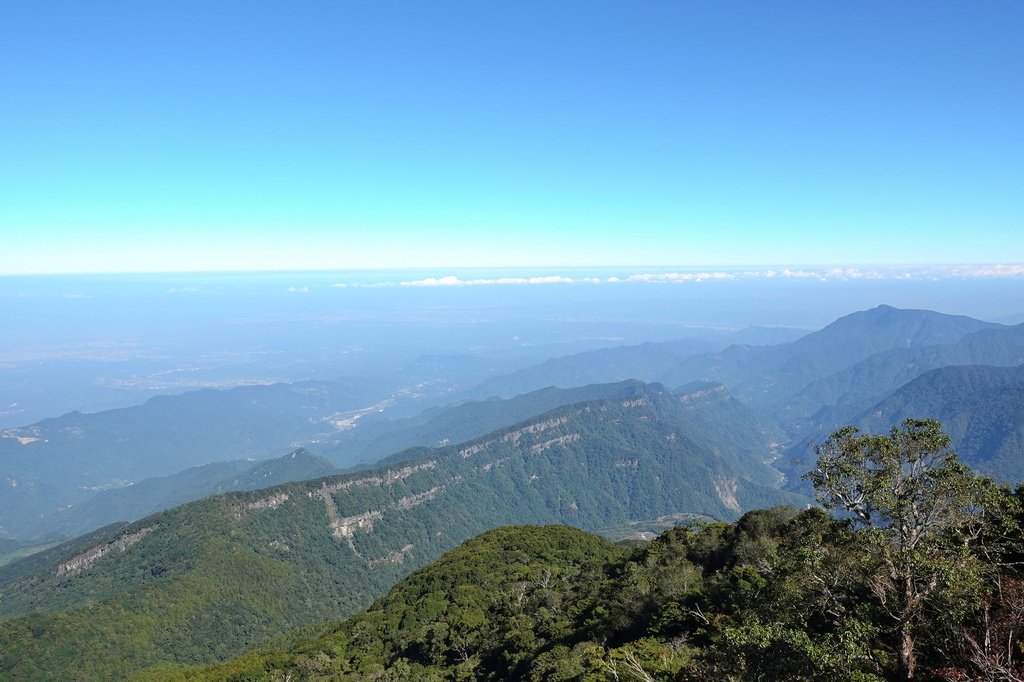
(910, 325)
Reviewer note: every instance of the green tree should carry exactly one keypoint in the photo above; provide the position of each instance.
(920, 510)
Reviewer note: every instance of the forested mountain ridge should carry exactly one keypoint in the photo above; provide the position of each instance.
(464, 421)
(46, 471)
(210, 578)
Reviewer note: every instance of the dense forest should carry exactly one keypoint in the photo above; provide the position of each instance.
(916, 576)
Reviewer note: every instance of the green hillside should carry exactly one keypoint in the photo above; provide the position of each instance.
(710, 412)
(778, 595)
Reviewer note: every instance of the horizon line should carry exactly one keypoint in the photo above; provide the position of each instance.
(452, 270)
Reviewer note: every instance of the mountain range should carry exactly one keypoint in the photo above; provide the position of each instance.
(207, 579)
(261, 547)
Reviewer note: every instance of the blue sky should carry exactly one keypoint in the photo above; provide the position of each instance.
(305, 135)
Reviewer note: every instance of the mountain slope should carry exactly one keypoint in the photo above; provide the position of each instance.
(981, 408)
(780, 595)
(711, 411)
(210, 578)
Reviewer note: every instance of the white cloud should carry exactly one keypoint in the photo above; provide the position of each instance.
(681, 277)
(453, 281)
(372, 285)
(297, 290)
(801, 274)
(557, 279)
(449, 281)
(989, 271)
(902, 272)
(823, 274)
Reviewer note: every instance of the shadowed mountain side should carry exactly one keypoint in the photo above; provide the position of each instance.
(838, 398)
(68, 459)
(979, 407)
(156, 494)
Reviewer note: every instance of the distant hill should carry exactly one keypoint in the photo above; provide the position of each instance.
(156, 494)
(205, 580)
(764, 376)
(66, 460)
(840, 397)
(645, 362)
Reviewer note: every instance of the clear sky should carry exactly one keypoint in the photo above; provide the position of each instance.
(153, 136)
